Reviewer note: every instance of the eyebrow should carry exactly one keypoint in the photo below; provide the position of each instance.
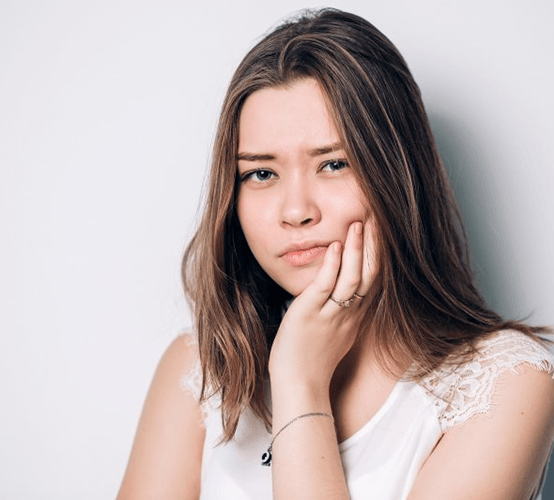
(323, 150)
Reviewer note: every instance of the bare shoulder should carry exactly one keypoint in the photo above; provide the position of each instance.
(498, 447)
(181, 357)
(166, 457)
(178, 377)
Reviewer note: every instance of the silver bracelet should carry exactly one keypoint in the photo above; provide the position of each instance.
(266, 457)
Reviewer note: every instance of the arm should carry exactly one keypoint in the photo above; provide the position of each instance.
(167, 453)
(314, 336)
(306, 461)
(500, 457)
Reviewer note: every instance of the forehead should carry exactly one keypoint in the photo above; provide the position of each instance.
(293, 116)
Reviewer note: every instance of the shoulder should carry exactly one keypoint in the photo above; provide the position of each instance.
(166, 456)
(508, 349)
(185, 348)
(182, 353)
(463, 391)
(179, 366)
(497, 416)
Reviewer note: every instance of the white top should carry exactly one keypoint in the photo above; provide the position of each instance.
(382, 459)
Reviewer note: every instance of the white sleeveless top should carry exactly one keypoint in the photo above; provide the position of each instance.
(382, 459)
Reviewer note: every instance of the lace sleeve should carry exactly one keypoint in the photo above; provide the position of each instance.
(468, 390)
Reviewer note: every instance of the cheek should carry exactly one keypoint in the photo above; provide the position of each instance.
(252, 218)
(243, 213)
(346, 198)
(344, 209)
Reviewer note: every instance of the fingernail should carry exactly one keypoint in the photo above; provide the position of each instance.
(358, 228)
(336, 247)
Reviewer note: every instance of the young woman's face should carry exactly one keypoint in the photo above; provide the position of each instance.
(297, 193)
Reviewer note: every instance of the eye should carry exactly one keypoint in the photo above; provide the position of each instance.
(259, 175)
(334, 165)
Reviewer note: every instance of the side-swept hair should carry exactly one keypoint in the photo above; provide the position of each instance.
(426, 305)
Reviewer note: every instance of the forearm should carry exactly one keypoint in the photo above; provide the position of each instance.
(314, 336)
(306, 461)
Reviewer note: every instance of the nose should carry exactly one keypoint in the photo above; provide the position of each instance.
(299, 204)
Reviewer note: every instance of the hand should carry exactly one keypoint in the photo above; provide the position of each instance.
(316, 333)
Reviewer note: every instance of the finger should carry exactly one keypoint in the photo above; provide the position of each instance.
(324, 282)
(349, 277)
(350, 274)
(369, 264)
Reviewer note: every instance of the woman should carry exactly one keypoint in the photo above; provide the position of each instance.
(337, 324)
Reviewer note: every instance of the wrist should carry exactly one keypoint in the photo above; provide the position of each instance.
(290, 400)
(267, 457)
(295, 388)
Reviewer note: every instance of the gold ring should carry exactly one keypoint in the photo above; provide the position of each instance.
(343, 303)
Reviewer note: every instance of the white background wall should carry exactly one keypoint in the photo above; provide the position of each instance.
(107, 112)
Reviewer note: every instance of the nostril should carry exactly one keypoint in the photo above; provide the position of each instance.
(299, 208)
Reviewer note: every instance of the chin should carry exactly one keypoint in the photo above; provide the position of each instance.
(296, 286)
(295, 291)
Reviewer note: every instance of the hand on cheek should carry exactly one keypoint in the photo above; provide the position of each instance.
(316, 332)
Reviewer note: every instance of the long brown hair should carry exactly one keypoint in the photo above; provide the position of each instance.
(427, 306)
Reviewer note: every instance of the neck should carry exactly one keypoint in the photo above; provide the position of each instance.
(362, 361)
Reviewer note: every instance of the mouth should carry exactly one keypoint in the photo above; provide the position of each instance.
(303, 257)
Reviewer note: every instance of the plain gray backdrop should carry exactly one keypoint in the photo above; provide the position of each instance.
(107, 113)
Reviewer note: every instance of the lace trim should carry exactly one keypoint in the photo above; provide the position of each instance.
(462, 392)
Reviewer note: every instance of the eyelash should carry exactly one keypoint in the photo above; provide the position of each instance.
(251, 173)
(342, 163)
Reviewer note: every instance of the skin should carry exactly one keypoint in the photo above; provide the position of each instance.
(297, 188)
(293, 189)
(291, 196)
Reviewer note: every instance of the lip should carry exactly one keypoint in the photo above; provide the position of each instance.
(303, 254)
